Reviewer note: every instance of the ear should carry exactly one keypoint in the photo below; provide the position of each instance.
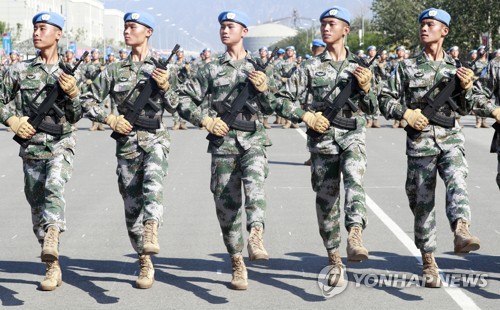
(149, 32)
(346, 30)
(445, 31)
(244, 32)
(58, 33)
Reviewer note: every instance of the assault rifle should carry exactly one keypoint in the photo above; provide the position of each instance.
(48, 107)
(148, 88)
(450, 88)
(336, 105)
(234, 108)
(493, 148)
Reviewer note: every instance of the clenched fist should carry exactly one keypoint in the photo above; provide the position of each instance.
(259, 80)
(316, 121)
(416, 119)
(364, 77)
(215, 126)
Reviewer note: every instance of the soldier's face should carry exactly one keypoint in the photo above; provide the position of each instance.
(45, 35)
(431, 31)
(232, 33)
(136, 34)
(333, 30)
(263, 53)
(372, 53)
(290, 53)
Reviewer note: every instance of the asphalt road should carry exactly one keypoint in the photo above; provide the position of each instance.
(193, 269)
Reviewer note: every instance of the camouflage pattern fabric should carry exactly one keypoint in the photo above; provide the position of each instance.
(435, 149)
(487, 99)
(229, 173)
(47, 160)
(142, 155)
(241, 160)
(338, 150)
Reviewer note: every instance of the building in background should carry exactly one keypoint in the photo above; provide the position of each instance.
(266, 35)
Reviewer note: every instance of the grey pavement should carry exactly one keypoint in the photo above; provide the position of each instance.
(193, 270)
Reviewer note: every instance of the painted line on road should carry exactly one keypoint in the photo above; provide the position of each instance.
(462, 300)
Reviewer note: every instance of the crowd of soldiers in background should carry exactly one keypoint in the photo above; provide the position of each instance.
(283, 65)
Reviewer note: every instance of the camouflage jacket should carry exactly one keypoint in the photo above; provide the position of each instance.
(478, 67)
(218, 78)
(118, 80)
(21, 83)
(318, 76)
(487, 93)
(406, 89)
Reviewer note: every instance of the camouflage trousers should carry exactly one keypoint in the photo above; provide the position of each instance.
(177, 119)
(326, 170)
(140, 181)
(229, 174)
(44, 181)
(420, 189)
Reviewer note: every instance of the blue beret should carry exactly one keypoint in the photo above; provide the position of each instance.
(371, 47)
(206, 49)
(51, 18)
(14, 52)
(318, 42)
(472, 52)
(281, 51)
(263, 49)
(141, 18)
(437, 14)
(308, 56)
(95, 50)
(481, 47)
(234, 16)
(453, 48)
(123, 51)
(337, 12)
(401, 47)
(69, 51)
(291, 47)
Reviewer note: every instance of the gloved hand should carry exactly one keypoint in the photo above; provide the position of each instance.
(466, 77)
(316, 121)
(161, 77)
(364, 77)
(496, 114)
(259, 80)
(284, 79)
(215, 126)
(416, 119)
(21, 127)
(68, 85)
(119, 124)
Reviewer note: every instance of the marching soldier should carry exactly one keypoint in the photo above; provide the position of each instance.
(478, 68)
(141, 150)
(337, 151)
(372, 120)
(183, 72)
(434, 148)
(241, 158)
(48, 156)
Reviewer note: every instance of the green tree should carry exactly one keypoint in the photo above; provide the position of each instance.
(301, 41)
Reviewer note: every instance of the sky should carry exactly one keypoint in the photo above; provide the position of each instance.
(194, 25)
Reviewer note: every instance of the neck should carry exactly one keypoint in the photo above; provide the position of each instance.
(237, 51)
(337, 50)
(139, 53)
(50, 55)
(434, 51)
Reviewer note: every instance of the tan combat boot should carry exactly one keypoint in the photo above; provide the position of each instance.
(356, 252)
(484, 125)
(396, 124)
(176, 126)
(50, 246)
(402, 124)
(294, 125)
(307, 162)
(287, 124)
(183, 126)
(430, 272)
(375, 124)
(369, 123)
(464, 242)
(266, 124)
(478, 122)
(256, 250)
(53, 276)
(337, 269)
(150, 236)
(93, 127)
(100, 127)
(146, 274)
(240, 275)
(277, 120)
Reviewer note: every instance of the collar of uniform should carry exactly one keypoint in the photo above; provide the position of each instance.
(325, 56)
(128, 61)
(421, 59)
(37, 61)
(225, 58)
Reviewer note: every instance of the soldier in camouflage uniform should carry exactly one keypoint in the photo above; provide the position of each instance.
(48, 157)
(435, 148)
(283, 71)
(338, 151)
(141, 151)
(183, 72)
(372, 120)
(90, 71)
(241, 159)
(478, 67)
(400, 56)
(487, 103)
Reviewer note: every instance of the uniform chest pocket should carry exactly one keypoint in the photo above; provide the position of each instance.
(30, 88)
(418, 89)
